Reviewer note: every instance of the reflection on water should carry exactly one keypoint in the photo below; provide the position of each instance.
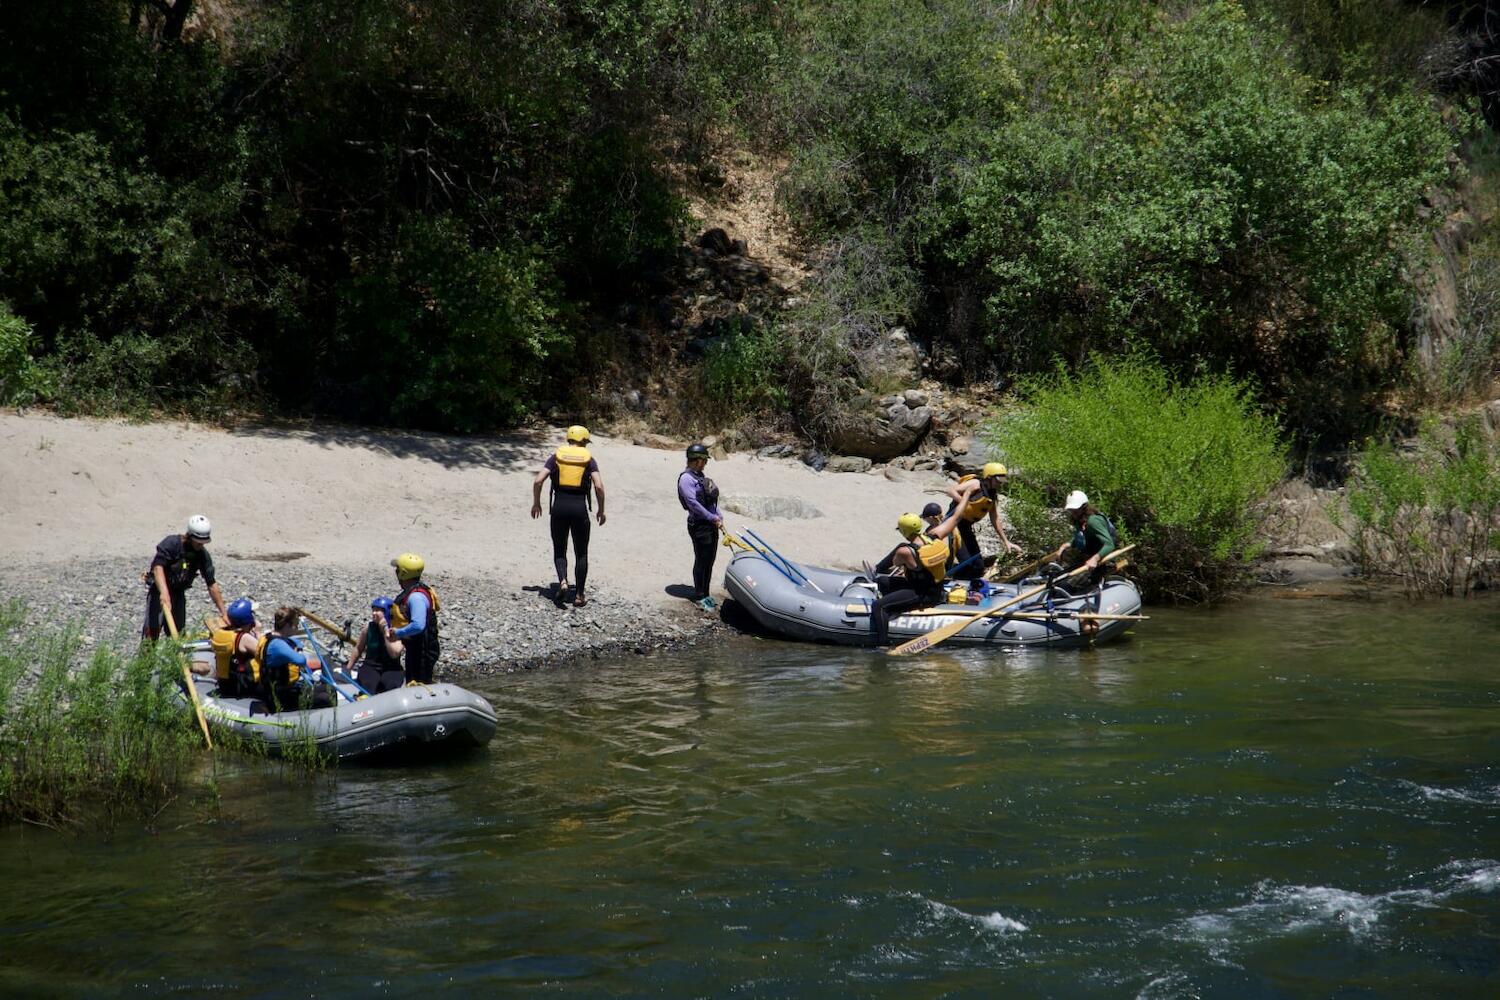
(1272, 798)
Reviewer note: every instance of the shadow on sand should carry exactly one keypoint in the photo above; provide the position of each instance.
(513, 451)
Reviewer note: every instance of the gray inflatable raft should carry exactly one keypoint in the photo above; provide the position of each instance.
(826, 605)
(409, 722)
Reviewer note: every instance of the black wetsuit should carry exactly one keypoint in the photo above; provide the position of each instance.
(182, 564)
(570, 518)
(422, 650)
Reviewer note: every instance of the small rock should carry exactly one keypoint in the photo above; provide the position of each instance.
(915, 398)
(848, 463)
(959, 445)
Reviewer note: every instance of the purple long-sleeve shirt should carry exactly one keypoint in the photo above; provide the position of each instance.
(687, 492)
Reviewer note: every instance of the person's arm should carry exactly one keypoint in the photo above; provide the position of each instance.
(598, 494)
(284, 653)
(218, 599)
(536, 492)
(359, 650)
(159, 574)
(394, 647)
(951, 524)
(903, 561)
(1095, 528)
(418, 623)
(689, 497)
(1000, 530)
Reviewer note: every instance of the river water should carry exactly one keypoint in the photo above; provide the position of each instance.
(1275, 798)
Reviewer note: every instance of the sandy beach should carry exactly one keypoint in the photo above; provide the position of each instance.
(324, 509)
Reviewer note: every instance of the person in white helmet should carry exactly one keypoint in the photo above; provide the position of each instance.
(179, 560)
(1094, 535)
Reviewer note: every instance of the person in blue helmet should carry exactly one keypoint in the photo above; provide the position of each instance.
(235, 666)
(381, 668)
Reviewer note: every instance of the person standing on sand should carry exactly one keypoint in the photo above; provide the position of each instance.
(414, 618)
(179, 560)
(572, 470)
(699, 496)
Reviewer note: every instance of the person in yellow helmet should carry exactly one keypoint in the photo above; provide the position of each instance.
(977, 497)
(918, 566)
(415, 614)
(572, 471)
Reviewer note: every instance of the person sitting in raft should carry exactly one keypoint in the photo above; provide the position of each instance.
(414, 618)
(918, 567)
(572, 470)
(932, 514)
(235, 665)
(179, 560)
(699, 496)
(284, 670)
(1094, 535)
(977, 497)
(381, 668)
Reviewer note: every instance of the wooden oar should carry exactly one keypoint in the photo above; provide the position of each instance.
(327, 626)
(187, 676)
(1038, 616)
(948, 631)
(1021, 574)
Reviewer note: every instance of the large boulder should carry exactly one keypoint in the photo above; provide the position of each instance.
(771, 508)
(879, 430)
(847, 463)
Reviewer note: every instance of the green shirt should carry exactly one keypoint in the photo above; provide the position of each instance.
(1096, 537)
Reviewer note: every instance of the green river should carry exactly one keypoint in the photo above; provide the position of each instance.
(1278, 798)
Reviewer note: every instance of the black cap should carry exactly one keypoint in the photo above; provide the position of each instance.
(932, 510)
(697, 450)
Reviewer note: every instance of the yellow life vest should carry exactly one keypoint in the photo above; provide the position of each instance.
(572, 466)
(399, 618)
(258, 661)
(932, 555)
(979, 505)
(226, 646)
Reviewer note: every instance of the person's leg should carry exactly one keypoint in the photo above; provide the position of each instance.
(887, 605)
(580, 531)
(704, 549)
(970, 543)
(151, 627)
(560, 549)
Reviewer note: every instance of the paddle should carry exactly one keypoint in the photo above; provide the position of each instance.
(948, 631)
(1022, 573)
(187, 676)
(327, 626)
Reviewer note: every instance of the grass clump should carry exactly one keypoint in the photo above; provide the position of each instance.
(1429, 514)
(108, 737)
(1179, 467)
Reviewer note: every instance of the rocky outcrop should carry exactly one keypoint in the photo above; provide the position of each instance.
(880, 429)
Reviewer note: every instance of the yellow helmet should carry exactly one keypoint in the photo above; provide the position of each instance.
(909, 524)
(408, 565)
(993, 469)
(578, 434)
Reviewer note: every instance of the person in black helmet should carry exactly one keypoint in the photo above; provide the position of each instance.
(700, 498)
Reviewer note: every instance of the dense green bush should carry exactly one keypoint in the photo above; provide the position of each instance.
(1429, 514)
(448, 336)
(1211, 202)
(22, 380)
(1180, 468)
(743, 372)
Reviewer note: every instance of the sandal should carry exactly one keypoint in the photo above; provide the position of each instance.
(580, 601)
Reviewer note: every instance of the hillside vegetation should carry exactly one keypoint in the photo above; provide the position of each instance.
(443, 215)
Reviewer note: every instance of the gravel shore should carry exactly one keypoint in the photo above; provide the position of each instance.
(489, 625)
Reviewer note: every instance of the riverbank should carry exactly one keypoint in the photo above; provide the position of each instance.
(313, 515)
